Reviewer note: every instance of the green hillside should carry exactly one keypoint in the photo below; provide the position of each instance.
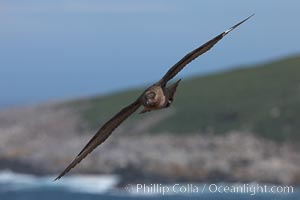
(263, 99)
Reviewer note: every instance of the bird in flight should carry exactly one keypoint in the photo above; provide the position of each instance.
(157, 96)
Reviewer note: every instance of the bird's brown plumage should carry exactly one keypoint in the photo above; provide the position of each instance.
(164, 99)
(103, 134)
(195, 53)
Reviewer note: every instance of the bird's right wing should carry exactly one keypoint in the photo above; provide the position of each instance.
(102, 134)
(194, 54)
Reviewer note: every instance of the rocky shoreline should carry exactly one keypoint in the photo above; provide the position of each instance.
(43, 140)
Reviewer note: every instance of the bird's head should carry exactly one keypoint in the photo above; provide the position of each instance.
(150, 98)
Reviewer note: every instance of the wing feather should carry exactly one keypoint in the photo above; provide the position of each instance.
(194, 54)
(102, 134)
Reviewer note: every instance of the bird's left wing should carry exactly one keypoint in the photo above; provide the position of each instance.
(102, 134)
(194, 54)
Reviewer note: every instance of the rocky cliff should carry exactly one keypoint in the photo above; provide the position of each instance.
(44, 139)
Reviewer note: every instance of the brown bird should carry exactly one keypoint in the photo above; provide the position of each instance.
(155, 97)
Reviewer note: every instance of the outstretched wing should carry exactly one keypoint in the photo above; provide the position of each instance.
(103, 133)
(194, 54)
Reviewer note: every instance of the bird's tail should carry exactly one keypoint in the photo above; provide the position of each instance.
(172, 89)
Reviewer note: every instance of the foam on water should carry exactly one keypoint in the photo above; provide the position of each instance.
(80, 183)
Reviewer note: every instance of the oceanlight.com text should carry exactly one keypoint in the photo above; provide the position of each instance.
(191, 188)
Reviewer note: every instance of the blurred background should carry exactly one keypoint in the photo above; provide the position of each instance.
(67, 66)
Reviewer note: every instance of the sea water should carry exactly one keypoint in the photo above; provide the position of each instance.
(15, 186)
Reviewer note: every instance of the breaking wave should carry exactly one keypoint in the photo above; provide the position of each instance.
(11, 181)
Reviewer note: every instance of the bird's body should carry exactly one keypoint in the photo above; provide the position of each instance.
(158, 96)
(155, 97)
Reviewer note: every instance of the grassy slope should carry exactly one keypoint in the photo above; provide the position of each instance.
(264, 99)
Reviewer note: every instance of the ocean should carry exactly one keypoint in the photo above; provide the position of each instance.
(15, 186)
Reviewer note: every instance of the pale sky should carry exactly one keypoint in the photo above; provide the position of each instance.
(63, 49)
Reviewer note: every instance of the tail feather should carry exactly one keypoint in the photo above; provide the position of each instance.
(172, 89)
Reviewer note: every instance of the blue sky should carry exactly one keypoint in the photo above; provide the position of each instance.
(61, 49)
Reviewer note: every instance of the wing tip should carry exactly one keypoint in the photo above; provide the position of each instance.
(58, 177)
(71, 166)
(233, 27)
